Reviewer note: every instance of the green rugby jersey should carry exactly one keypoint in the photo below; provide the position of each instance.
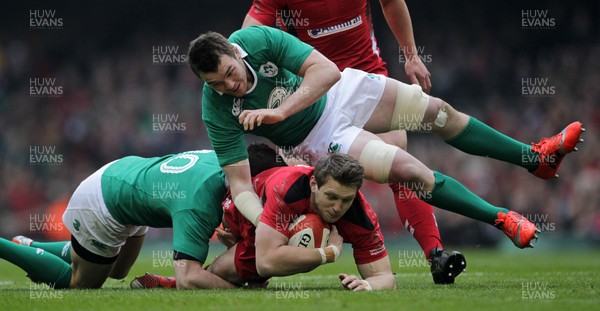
(183, 191)
(275, 58)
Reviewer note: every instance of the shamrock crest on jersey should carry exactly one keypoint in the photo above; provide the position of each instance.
(373, 76)
(268, 70)
(76, 224)
(334, 148)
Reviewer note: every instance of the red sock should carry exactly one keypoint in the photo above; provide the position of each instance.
(417, 217)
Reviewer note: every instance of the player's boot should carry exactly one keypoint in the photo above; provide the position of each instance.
(150, 280)
(445, 267)
(552, 150)
(23, 240)
(518, 228)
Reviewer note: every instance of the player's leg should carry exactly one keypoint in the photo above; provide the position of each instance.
(127, 256)
(407, 107)
(418, 219)
(89, 270)
(41, 266)
(397, 138)
(416, 215)
(96, 237)
(61, 249)
(386, 163)
(224, 266)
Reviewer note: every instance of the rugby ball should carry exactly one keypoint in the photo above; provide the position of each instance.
(309, 231)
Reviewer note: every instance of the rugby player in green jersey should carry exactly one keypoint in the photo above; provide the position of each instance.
(110, 212)
(265, 82)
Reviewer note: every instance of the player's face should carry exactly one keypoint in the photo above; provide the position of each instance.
(332, 200)
(230, 77)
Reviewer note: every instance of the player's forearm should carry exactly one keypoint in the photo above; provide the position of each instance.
(238, 177)
(318, 79)
(287, 260)
(382, 282)
(250, 21)
(398, 18)
(190, 275)
(201, 279)
(242, 192)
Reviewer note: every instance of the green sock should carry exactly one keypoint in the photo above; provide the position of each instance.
(61, 249)
(41, 266)
(452, 196)
(477, 138)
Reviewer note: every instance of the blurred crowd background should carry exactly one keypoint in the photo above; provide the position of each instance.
(113, 93)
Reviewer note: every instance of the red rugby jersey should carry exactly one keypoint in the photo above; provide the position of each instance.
(285, 193)
(339, 29)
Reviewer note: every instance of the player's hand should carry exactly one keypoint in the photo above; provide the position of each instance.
(335, 238)
(353, 283)
(418, 73)
(226, 237)
(252, 118)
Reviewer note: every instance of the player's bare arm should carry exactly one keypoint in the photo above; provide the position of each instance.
(398, 18)
(319, 74)
(275, 258)
(190, 275)
(250, 21)
(375, 276)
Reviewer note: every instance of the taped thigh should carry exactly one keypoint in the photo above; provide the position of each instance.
(377, 158)
(411, 104)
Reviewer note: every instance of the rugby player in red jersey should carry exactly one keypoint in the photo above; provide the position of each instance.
(343, 32)
(329, 190)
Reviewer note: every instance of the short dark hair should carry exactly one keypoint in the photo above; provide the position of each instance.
(204, 52)
(342, 168)
(262, 157)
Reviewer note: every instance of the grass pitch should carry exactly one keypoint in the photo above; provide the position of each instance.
(495, 280)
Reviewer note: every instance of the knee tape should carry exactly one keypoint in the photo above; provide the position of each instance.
(377, 158)
(411, 104)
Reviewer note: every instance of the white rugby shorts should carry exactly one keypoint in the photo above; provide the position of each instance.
(350, 104)
(90, 222)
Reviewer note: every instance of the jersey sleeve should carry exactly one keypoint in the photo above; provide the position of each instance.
(265, 11)
(191, 234)
(360, 227)
(279, 47)
(224, 132)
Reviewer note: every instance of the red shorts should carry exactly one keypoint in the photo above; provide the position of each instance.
(245, 252)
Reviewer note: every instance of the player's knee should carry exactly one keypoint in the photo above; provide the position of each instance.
(117, 275)
(264, 269)
(406, 172)
(439, 112)
(78, 282)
